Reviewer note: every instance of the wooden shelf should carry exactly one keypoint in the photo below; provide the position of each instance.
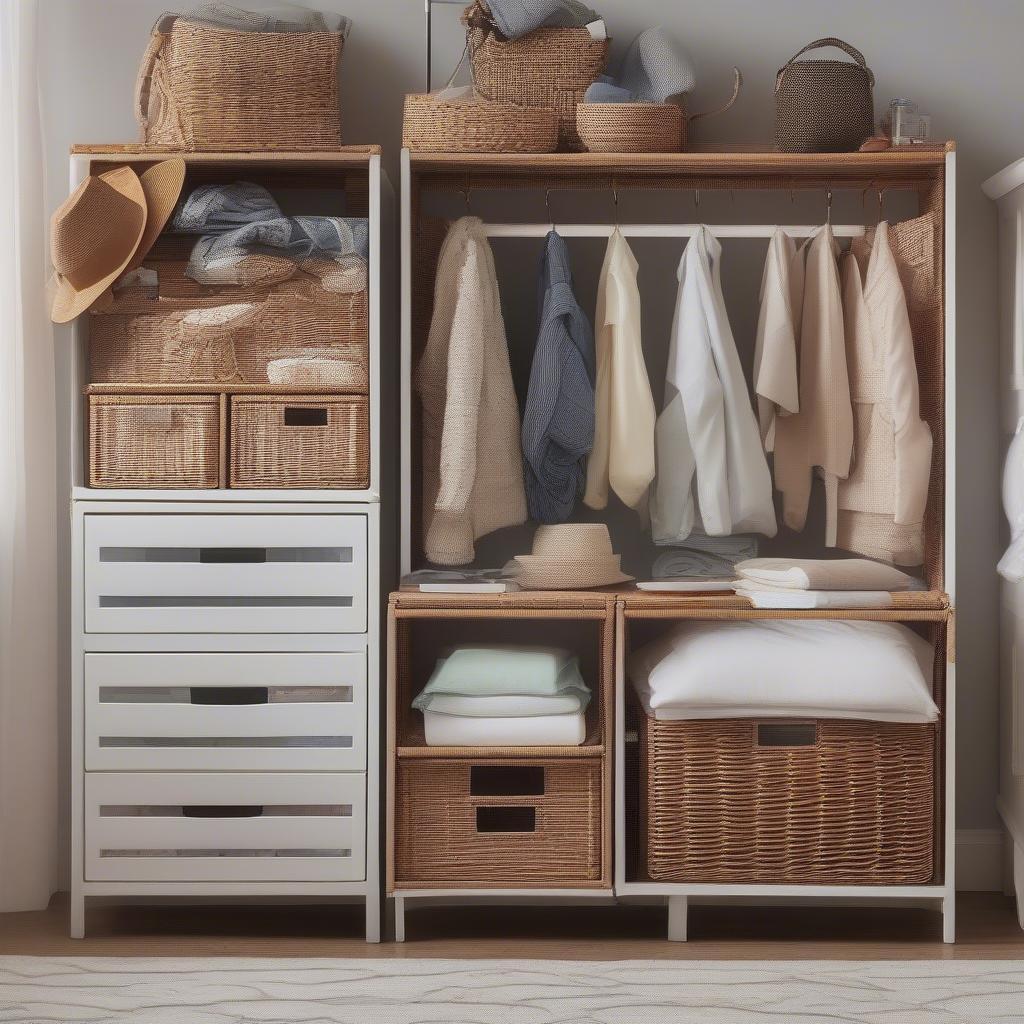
(218, 389)
(343, 156)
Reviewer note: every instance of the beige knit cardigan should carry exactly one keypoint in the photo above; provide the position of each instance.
(472, 460)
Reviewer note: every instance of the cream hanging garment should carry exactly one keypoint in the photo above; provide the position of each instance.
(707, 436)
(820, 435)
(623, 453)
(881, 505)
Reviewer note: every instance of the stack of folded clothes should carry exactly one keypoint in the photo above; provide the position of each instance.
(505, 696)
(820, 582)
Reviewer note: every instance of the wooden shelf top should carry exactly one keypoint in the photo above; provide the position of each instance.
(343, 156)
(548, 603)
(925, 161)
(219, 389)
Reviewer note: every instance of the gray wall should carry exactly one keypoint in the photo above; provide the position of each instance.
(960, 61)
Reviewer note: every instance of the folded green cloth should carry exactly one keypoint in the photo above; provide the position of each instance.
(504, 671)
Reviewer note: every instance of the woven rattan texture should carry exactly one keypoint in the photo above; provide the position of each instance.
(330, 449)
(159, 441)
(550, 67)
(202, 334)
(440, 841)
(631, 127)
(437, 126)
(207, 88)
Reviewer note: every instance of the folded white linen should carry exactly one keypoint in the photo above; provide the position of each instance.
(511, 706)
(764, 596)
(826, 574)
(875, 671)
(542, 731)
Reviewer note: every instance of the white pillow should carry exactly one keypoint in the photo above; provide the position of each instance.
(806, 668)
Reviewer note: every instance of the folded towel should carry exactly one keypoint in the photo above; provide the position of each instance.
(545, 731)
(653, 69)
(505, 707)
(761, 596)
(825, 574)
(515, 18)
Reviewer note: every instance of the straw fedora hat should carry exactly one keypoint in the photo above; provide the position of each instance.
(571, 556)
(105, 227)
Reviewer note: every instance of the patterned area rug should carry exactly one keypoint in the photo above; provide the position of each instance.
(38, 990)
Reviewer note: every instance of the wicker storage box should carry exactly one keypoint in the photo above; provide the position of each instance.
(170, 441)
(631, 127)
(202, 87)
(437, 126)
(819, 802)
(549, 67)
(229, 334)
(300, 441)
(498, 823)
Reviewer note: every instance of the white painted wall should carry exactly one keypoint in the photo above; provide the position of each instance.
(961, 61)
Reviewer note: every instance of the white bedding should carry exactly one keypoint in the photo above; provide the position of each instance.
(825, 574)
(510, 706)
(545, 731)
(876, 671)
(770, 597)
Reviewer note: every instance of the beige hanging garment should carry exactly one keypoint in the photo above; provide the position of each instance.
(881, 505)
(472, 460)
(820, 435)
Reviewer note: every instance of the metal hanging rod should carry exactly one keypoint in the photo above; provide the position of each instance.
(427, 10)
(667, 230)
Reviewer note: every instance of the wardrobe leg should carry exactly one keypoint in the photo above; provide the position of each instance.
(949, 919)
(678, 911)
(399, 919)
(372, 917)
(76, 916)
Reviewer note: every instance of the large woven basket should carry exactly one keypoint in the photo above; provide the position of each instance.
(549, 67)
(820, 802)
(441, 126)
(167, 441)
(824, 106)
(631, 127)
(204, 87)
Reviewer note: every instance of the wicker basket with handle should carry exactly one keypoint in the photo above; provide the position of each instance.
(549, 67)
(204, 87)
(824, 106)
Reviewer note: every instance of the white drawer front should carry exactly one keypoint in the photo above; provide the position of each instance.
(225, 573)
(236, 712)
(191, 827)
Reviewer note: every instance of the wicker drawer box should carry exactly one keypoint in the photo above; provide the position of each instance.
(154, 441)
(813, 802)
(300, 441)
(498, 823)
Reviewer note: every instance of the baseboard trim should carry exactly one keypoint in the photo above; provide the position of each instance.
(979, 859)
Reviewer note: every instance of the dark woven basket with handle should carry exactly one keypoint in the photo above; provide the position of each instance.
(824, 106)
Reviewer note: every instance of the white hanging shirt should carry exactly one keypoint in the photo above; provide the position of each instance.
(707, 437)
(778, 331)
(623, 453)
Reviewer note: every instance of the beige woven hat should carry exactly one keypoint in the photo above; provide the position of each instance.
(105, 227)
(572, 556)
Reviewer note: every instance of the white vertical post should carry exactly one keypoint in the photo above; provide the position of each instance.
(399, 919)
(678, 912)
(373, 724)
(619, 730)
(405, 367)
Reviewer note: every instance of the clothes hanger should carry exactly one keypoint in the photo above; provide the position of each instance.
(547, 207)
(828, 207)
(615, 204)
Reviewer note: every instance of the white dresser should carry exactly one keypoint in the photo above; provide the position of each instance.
(225, 654)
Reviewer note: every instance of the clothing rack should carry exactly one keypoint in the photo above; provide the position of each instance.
(666, 230)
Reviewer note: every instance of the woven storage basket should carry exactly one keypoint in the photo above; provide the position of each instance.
(168, 441)
(202, 87)
(631, 127)
(856, 806)
(229, 334)
(550, 67)
(498, 822)
(300, 441)
(438, 126)
(824, 106)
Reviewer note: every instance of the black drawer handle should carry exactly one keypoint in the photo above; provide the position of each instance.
(506, 819)
(222, 811)
(303, 416)
(787, 734)
(228, 695)
(498, 780)
(224, 556)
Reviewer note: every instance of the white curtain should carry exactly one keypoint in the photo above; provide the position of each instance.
(29, 637)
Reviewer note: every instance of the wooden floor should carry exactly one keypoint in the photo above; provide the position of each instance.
(987, 928)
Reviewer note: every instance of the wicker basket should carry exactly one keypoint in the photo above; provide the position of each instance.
(631, 127)
(820, 802)
(498, 822)
(438, 126)
(300, 441)
(229, 334)
(154, 441)
(206, 88)
(550, 67)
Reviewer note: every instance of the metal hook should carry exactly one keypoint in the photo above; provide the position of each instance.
(696, 198)
(615, 203)
(465, 196)
(881, 209)
(547, 207)
(828, 206)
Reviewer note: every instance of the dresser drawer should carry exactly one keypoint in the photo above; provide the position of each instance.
(192, 827)
(210, 712)
(225, 573)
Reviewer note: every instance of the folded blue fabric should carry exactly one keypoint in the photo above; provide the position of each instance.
(515, 18)
(653, 69)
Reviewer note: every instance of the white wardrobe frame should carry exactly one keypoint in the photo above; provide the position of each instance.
(366, 502)
(678, 897)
